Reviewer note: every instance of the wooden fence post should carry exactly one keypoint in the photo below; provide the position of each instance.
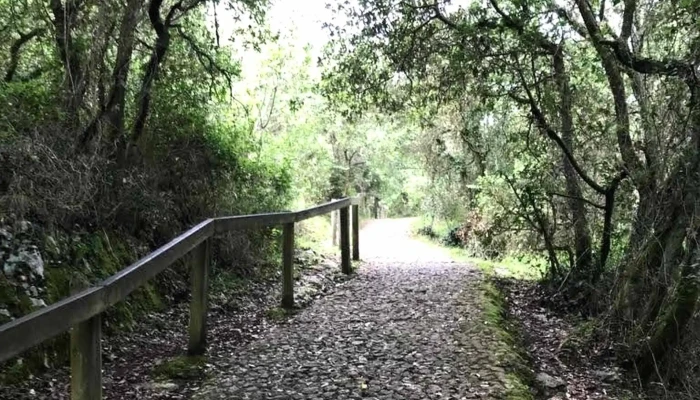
(356, 232)
(86, 360)
(334, 228)
(339, 227)
(200, 263)
(288, 266)
(345, 240)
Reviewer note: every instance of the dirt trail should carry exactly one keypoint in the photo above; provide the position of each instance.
(409, 326)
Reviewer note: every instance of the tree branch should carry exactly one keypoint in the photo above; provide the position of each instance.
(617, 88)
(552, 134)
(439, 15)
(15, 49)
(649, 66)
(580, 29)
(596, 205)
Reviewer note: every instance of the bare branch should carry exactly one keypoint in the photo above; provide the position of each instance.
(552, 134)
(596, 205)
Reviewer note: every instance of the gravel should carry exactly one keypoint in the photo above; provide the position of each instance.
(409, 326)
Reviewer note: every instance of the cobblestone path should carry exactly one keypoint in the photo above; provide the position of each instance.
(409, 326)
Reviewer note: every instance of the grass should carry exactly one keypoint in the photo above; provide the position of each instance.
(518, 266)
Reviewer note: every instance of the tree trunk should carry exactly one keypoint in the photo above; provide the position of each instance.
(151, 69)
(658, 232)
(576, 205)
(64, 19)
(668, 331)
(112, 112)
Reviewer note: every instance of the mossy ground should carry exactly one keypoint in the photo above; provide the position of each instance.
(279, 314)
(509, 348)
(181, 368)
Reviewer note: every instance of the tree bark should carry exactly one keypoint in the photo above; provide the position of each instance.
(161, 46)
(669, 329)
(64, 19)
(576, 205)
(112, 112)
(613, 74)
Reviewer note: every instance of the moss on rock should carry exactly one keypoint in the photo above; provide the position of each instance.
(72, 261)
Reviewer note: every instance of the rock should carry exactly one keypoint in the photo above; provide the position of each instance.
(549, 381)
(10, 266)
(37, 303)
(5, 313)
(26, 257)
(606, 376)
(160, 386)
(5, 235)
(25, 226)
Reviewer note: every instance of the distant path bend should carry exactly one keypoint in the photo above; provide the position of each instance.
(407, 327)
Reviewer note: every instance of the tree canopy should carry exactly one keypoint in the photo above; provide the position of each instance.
(578, 121)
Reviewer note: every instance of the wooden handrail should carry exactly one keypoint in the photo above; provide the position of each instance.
(81, 311)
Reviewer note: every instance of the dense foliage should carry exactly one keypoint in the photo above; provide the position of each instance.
(125, 123)
(568, 128)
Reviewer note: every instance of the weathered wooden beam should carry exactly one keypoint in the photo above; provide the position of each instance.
(200, 265)
(136, 275)
(322, 209)
(345, 240)
(86, 360)
(226, 224)
(32, 329)
(356, 232)
(288, 266)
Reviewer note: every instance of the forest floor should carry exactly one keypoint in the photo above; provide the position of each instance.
(567, 359)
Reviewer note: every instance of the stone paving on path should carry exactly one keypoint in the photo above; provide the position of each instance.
(408, 326)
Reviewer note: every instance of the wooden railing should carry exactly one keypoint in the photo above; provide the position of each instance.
(81, 312)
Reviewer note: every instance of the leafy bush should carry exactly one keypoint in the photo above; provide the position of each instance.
(427, 231)
(454, 237)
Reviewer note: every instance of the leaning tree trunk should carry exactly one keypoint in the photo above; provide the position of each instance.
(671, 244)
(669, 328)
(112, 112)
